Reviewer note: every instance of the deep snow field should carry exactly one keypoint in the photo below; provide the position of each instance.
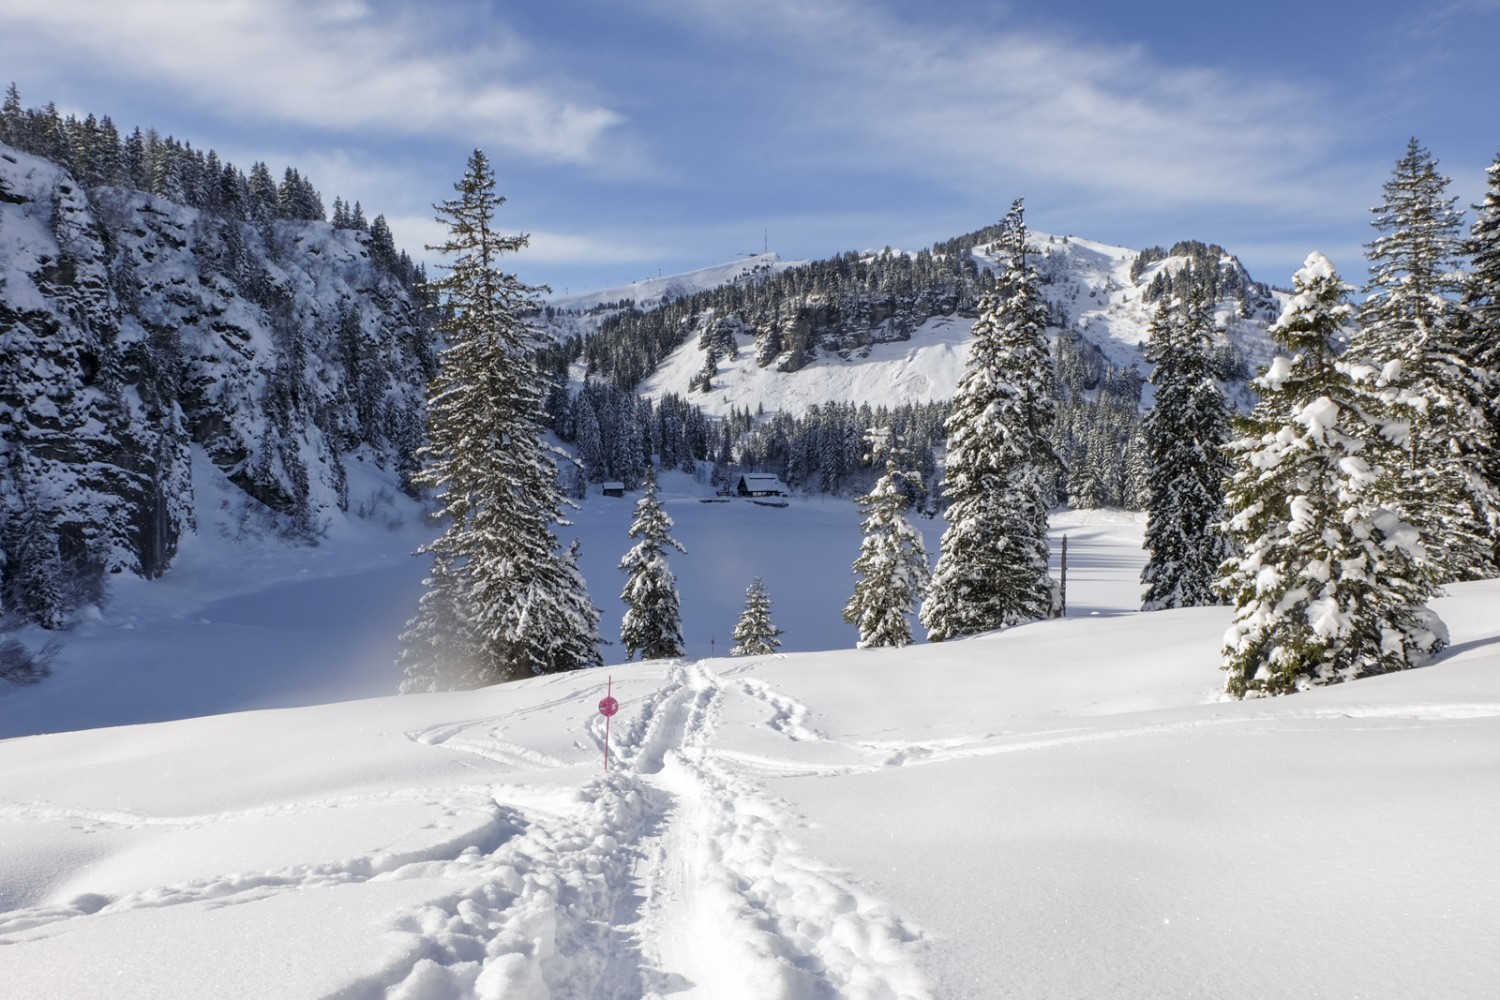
(1067, 809)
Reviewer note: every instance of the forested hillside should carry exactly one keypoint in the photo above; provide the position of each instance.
(161, 308)
(786, 366)
(164, 315)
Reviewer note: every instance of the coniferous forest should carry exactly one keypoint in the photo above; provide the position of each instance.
(162, 308)
(186, 310)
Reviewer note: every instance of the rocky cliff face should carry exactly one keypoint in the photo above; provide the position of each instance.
(138, 336)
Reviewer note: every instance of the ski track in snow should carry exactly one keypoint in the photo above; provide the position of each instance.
(482, 738)
(671, 872)
(474, 823)
(790, 718)
(675, 871)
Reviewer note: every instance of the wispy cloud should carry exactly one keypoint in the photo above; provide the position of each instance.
(545, 251)
(979, 105)
(547, 247)
(346, 65)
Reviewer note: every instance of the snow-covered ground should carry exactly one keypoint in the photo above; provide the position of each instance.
(1065, 809)
(923, 369)
(648, 293)
(1088, 284)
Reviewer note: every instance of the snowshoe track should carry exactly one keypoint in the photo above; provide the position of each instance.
(731, 906)
(672, 874)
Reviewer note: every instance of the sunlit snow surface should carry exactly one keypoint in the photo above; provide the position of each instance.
(1066, 809)
(1088, 285)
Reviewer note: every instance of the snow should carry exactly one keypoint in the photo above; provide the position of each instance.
(1066, 808)
(1087, 284)
(922, 370)
(582, 312)
(1319, 417)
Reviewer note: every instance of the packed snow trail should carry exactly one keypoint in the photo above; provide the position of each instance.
(672, 874)
(731, 907)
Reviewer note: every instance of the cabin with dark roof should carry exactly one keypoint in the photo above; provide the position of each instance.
(760, 484)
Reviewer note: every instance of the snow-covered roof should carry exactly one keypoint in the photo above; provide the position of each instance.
(761, 480)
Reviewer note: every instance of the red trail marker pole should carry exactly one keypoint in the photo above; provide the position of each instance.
(607, 708)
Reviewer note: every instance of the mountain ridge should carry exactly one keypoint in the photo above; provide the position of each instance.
(858, 347)
(135, 328)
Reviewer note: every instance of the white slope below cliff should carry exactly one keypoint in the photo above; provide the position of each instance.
(1089, 286)
(1065, 808)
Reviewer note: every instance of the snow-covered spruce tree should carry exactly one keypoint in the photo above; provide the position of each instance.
(992, 571)
(1481, 301)
(755, 634)
(36, 574)
(1185, 433)
(1412, 328)
(892, 563)
(523, 604)
(653, 619)
(436, 648)
(1330, 584)
(589, 443)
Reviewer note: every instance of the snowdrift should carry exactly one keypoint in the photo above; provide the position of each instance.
(1063, 809)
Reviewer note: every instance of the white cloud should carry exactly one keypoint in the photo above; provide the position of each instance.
(345, 65)
(414, 233)
(980, 106)
(545, 249)
(584, 248)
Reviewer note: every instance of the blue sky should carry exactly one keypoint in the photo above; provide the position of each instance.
(638, 136)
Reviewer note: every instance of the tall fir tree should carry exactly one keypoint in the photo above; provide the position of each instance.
(37, 579)
(1330, 584)
(588, 440)
(1481, 299)
(1185, 433)
(437, 646)
(1412, 327)
(755, 634)
(12, 116)
(653, 618)
(892, 563)
(992, 571)
(522, 600)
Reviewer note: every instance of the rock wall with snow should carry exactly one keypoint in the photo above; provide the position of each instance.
(133, 329)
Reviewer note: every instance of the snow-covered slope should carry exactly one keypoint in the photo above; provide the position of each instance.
(1089, 285)
(581, 312)
(1063, 809)
(137, 333)
(920, 370)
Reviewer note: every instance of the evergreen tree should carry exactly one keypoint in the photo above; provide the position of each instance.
(525, 608)
(437, 646)
(37, 576)
(261, 189)
(589, 442)
(892, 563)
(1481, 334)
(653, 620)
(1185, 434)
(1331, 582)
(12, 117)
(992, 572)
(1413, 330)
(754, 634)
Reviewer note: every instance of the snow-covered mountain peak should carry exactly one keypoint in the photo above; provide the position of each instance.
(892, 327)
(651, 293)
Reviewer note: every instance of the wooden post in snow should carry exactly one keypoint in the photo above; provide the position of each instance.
(1062, 609)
